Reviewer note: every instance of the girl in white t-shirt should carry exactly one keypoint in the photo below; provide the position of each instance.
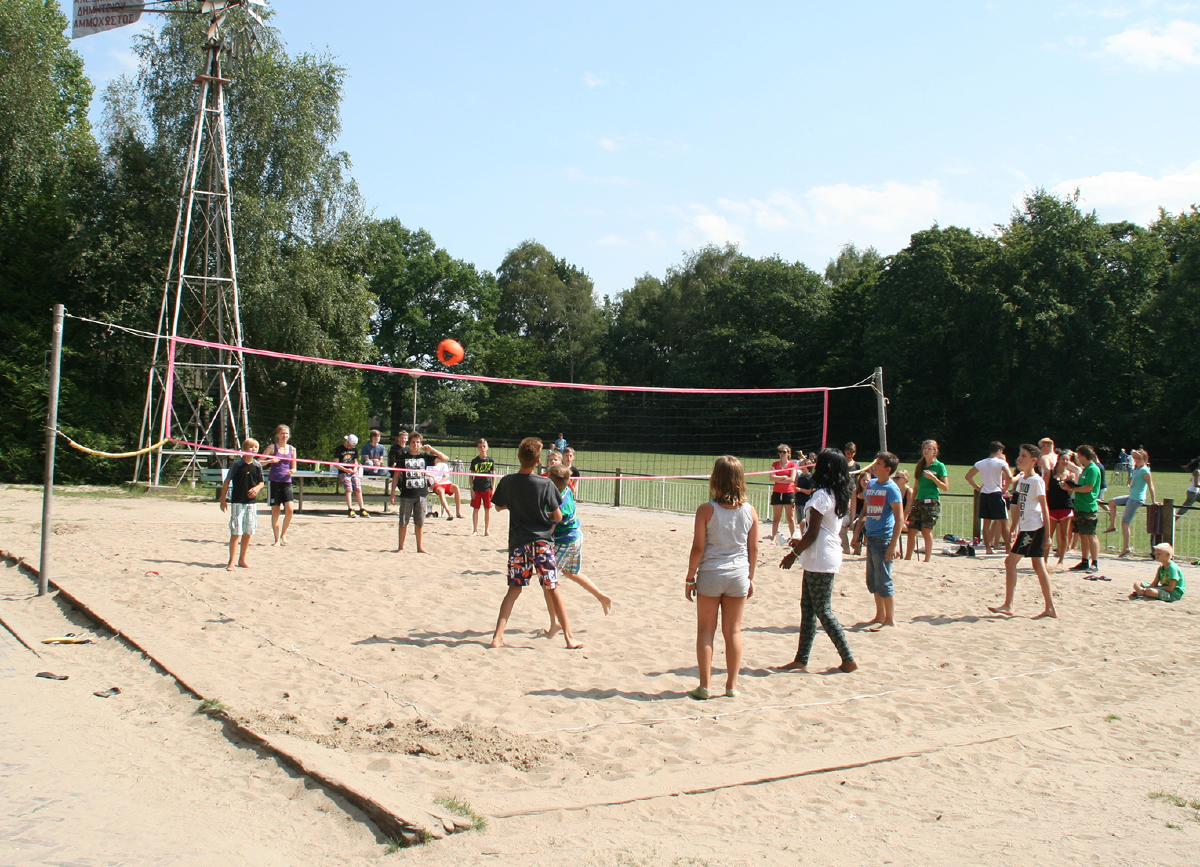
(720, 573)
(1029, 538)
(819, 550)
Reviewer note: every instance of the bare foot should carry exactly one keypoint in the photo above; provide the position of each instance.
(487, 534)
(792, 666)
(229, 568)
(275, 543)
(460, 517)
(422, 551)
(606, 604)
(1000, 609)
(244, 564)
(874, 619)
(1049, 612)
(474, 532)
(549, 633)
(882, 626)
(575, 646)
(497, 642)
(848, 666)
(283, 540)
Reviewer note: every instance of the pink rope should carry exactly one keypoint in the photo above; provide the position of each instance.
(379, 368)
(472, 475)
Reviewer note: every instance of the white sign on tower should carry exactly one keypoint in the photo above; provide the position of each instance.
(96, 16)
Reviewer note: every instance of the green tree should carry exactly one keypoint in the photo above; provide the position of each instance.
(424, 295)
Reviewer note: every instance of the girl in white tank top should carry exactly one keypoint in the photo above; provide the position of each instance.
(720, 575)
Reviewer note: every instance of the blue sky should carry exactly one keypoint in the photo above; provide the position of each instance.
(622, 135)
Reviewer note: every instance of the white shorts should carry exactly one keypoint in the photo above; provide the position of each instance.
(243, 519)
(715, 584)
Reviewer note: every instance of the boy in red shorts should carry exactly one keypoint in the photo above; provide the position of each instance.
(533, 506)
(482, 468)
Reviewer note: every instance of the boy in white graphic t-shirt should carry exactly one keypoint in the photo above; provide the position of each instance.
(1029, 533)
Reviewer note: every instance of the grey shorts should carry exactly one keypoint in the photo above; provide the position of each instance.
(415, 508)
(711, 584)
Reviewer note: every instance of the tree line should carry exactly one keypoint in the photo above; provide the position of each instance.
(1053, 323)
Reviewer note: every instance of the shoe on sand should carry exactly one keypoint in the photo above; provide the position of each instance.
(732, 693)
(700, 694)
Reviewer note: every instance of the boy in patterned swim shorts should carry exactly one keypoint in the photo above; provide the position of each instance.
(533, 506)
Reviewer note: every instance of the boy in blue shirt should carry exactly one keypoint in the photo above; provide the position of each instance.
(884, 523)
(568, 544)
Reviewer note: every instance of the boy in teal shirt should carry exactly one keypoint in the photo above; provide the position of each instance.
(568, 544)
(1168, 584)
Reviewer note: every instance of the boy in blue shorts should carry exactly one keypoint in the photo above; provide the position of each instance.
(533, 506)
(568, 545)
(241, 486)
(883, 525)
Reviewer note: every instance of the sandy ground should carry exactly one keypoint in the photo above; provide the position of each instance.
(977, 739)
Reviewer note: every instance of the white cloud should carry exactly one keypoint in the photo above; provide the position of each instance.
(594, 80)
(823, 218)
(609, 144)
(611, 241)
(1134, 196)
(1162, 48)
(704, 227)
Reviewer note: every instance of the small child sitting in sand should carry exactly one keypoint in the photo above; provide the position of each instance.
(1168, 584)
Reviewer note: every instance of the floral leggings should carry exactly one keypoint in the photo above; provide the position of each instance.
(816, 605)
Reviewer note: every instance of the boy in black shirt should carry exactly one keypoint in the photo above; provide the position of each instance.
(246, 480)
(533, 505)
(482, 468)
(414, 487)
(396, 459)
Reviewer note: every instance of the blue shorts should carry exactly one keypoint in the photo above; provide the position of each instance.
(879, 567)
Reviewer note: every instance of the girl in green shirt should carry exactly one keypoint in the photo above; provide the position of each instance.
(926, 506)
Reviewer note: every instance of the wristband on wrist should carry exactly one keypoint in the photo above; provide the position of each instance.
(693, 581)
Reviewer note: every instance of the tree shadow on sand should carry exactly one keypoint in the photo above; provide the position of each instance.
(601, 694)
(432, 639)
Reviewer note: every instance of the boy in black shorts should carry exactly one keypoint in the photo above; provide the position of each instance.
(1029, 533)
(533, 505)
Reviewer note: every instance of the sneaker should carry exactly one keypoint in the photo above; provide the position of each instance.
(351, 515)
(363, 513)
(1094, 567)
(1081, 566)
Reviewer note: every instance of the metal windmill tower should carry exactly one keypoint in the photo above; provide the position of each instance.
(198, 393)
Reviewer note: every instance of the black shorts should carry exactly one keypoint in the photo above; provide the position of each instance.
(992, 507)
(1031, 543)
(781, 499)
(281, 492)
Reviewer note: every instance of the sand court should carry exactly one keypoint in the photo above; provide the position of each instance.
(380, 659)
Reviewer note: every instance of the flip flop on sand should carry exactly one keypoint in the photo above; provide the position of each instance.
(107, 693)
(69, 638)
(49, 675)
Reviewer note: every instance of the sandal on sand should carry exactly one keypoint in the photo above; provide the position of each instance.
(107, 693)
(69, 638)
(700, 694)
(49, 675)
